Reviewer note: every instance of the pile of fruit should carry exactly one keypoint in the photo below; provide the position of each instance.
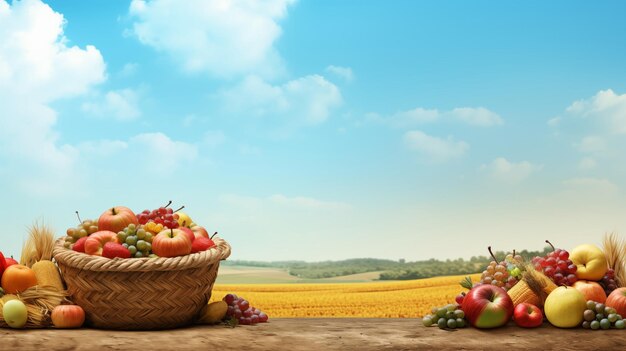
(585, 288)
(33, 294)
(119, 233)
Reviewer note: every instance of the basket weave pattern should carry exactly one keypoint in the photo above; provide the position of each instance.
(140, 293)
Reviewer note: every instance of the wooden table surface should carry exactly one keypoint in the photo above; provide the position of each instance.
(317, 334)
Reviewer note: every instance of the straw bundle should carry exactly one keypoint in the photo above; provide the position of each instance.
(615, 252)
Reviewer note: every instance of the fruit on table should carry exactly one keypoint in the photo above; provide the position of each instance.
(163, 215)
(114, 249)
(557, 265)
(47, 274)
(497, 274)
(213, 312)
(522, 291)
(590, 260)
(239, 310)
(171, 243)
(599, 316)
(527, 315)
(116, 219)
(564, 307)
(95, 242)
(608, 281)
(487, 306)
(592, 290)
(15, 313)
(18, 278)
(446, 317)
(617, 300)
(68, 316)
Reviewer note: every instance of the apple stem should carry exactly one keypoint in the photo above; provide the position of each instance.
(513, 253)
(184, 223)
(179, 209)
(214, 234)
(549, 243)
(113, 211)
(168, 204)
(492, 255)
(79, 220)
(172, 231)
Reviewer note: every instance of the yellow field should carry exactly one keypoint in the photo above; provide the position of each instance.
(397, 299)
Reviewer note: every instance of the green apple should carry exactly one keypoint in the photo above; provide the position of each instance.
(15, 313)
(590, 261)
(564, 307)
(183, 219)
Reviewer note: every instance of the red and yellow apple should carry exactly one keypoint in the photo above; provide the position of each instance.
(17, 278)
(183, 219)
(617, 300)
(95, 242)
(592, 290)
(68, 316)
(199, 231)
(487, 306)
(171, 243)
(590, 261)
(10, 261)
(116, 219)
(527, 315)
(564, 307)
(189, 233)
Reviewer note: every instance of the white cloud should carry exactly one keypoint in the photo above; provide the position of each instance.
(587, 163)
(506, 171)
(223, 38)
(214, 137)
(118, 104)
(606, 108)
(477, 116)
(166, 154)
(304, 101)
(591, 185)
(129, 69)
(592, 143)
(37, 67)
(435, 148)
(343, 72)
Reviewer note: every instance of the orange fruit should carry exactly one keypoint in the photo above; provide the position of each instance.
(17, 278)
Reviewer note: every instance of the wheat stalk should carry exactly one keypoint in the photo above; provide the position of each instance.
(38, 246)
(615, 251)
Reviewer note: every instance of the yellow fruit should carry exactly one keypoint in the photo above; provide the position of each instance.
(15, 313)
(47, 273)
(213, 312)
(590, 261)
(564, 307)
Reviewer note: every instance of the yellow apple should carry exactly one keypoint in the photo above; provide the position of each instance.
(15, 313)
(590, 261)
(564, 307)
(183, 219)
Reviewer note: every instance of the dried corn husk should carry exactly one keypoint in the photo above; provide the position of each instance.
(615, 251)
(48, 274)
(39, 301)
(534, 288)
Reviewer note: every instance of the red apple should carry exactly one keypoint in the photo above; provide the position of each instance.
(96, 241)
(116, 219)
(487, 306)
(171, 243)
(527, 315)
(592, 290)
(9, 262)
(199, 231)
(3, 264)
(617, 300)
(68, 316)
(201, 244)
(189, 233)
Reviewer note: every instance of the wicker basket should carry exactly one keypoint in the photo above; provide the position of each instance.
(140, 293)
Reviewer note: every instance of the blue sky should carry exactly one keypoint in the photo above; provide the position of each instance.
(320, 129)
